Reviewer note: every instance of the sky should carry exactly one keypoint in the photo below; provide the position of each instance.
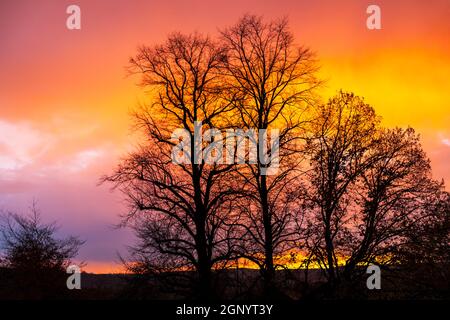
(65, 98)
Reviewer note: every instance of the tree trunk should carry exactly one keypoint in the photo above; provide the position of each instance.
(204, 265)
(269, 271)
(330, 256)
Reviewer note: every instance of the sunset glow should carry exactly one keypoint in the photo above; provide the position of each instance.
(65, 97)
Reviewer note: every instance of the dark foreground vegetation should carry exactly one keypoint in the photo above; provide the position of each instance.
(232, 285)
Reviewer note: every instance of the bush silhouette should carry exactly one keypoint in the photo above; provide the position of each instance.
(33, 262)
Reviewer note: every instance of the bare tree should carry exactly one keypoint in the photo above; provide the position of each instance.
(367, 187)
(342, 132)
(428, 240)
(356, 202)
(422, 258)
(34, 258)
(185, 205)
(275, 81)
(393, 194)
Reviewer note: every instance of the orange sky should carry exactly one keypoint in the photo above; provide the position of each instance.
(64, 97)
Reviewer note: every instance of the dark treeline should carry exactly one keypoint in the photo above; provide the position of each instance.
(348, 192)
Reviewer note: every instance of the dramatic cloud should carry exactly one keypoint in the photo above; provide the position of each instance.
(21, 145)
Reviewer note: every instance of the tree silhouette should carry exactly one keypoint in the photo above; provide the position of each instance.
(368, 187)
(393, 193)
(34, 261)
(275, 81)
(181, 210)
(346, 192)
(342, 132)
(423, 259)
